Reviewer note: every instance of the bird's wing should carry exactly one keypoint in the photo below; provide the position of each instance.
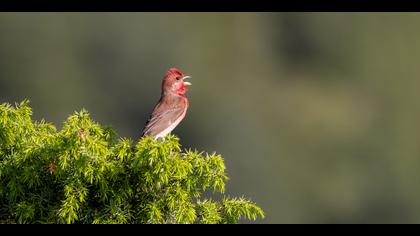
(163, 118)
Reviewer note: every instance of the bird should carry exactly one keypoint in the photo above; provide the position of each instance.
(172, 106)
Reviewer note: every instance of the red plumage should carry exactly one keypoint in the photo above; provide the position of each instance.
(171, 107)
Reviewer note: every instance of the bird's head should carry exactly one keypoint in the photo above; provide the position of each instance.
(174, 82)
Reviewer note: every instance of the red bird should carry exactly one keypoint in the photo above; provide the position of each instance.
(172, 105)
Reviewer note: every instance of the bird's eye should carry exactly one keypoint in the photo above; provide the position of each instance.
(178, 78)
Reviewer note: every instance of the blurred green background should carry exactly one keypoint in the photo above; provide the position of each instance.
(314, 113)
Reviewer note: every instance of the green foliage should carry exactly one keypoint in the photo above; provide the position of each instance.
(84, 174)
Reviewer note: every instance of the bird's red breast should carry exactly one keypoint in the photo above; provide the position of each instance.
(171, 107)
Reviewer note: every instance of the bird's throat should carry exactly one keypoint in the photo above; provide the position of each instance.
(174, 93)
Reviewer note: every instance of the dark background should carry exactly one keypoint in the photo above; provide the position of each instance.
(315, 113)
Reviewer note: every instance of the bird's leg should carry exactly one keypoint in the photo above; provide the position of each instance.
(161, 138)
(164, 137)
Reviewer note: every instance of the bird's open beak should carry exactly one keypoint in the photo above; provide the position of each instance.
(187, 77)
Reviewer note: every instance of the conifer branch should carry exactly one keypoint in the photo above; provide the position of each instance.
(84, 174)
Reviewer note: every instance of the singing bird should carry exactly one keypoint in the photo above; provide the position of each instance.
(171, 107)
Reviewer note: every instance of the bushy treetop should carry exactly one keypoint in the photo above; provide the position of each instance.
(85, 174)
